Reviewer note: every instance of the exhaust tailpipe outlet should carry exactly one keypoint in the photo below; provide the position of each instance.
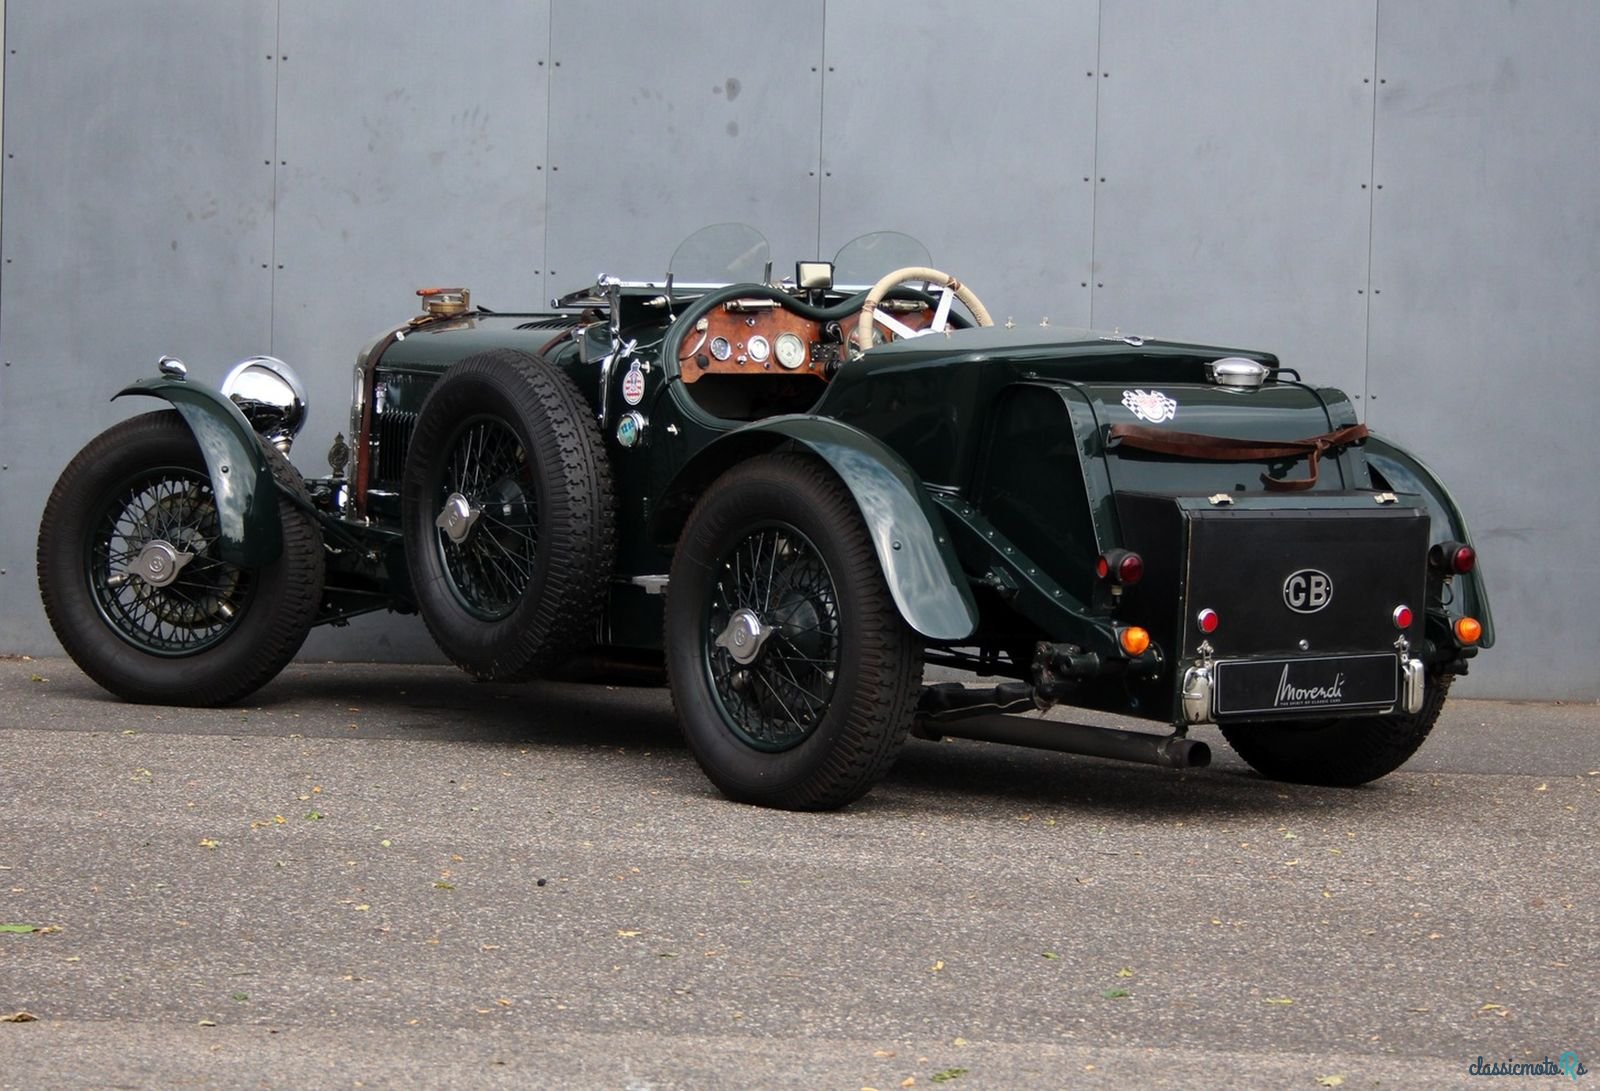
(1171, 751)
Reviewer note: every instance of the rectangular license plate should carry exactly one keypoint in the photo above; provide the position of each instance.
(1310, 683)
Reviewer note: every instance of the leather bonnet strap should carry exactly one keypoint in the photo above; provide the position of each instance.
(1227, 449)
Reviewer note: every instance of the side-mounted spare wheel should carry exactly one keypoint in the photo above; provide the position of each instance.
(509, 516)
(1339, 753)
(132, 584)
(793, 674)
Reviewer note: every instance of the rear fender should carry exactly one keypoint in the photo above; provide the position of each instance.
(241, 478)
(1399, 470)
(918, 560)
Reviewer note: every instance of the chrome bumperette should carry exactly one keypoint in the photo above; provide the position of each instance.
(1413, 685)
(1197, 694)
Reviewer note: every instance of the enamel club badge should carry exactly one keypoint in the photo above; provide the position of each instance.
(1150, 405)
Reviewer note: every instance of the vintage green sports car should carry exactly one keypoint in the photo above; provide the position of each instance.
(793, 496)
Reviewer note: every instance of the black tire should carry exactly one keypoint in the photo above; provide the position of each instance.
(821, 711)
(513, 437)
(1339, 753)
(216, 632)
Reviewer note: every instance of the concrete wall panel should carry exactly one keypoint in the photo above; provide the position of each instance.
(1235, 152)
(661, 124)
(1486, 313)
(138, 221)
(985, 161)
(1400, 199)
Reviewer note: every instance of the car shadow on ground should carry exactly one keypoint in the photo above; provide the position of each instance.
(637, 724)
(635, 720)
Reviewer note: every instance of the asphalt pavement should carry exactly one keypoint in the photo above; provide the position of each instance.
(389, 876)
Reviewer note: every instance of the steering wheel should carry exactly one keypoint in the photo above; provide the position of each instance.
(949, 287)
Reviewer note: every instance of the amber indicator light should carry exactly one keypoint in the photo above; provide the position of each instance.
(1468, 631)
(1134, 640)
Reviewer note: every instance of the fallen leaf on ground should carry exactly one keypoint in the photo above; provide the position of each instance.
(1330, 1081)
(208, 843)
(19, 1017)
(1125, 972)
(1278, 1000)
(936, 967)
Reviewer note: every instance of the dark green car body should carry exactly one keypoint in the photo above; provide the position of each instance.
(999, 473)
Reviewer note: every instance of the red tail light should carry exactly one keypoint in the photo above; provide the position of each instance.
(1119, 566)
(1453, 557)
(1207, 620)
(1402, 617)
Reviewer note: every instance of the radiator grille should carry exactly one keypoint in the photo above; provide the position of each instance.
(391, 438)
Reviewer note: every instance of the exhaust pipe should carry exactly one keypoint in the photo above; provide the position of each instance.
(1172, 751)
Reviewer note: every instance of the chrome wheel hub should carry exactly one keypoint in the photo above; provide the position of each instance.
(744, 636)
(159, 563)
(457, 518)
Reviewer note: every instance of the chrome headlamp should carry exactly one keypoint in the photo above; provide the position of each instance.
(271, 397)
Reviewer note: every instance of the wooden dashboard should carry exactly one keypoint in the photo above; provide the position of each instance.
(762, 337)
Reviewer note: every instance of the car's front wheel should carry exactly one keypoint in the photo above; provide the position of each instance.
(134, 588)
(1340, 753)
(793, 674)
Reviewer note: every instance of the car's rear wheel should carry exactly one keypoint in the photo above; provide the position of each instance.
(1339, 753)
(134, 588)
(793, 674)
(508, 516)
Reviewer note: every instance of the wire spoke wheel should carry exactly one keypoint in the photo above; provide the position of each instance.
(133, 578)
(793, 674)
(492, 567)
(204, 600)
(779, 697)
(508, 516)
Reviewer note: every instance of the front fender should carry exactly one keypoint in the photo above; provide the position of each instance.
(241, 478)
(1401, 471)
(918, 560)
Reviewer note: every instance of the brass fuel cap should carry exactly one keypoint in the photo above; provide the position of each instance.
(445, 302)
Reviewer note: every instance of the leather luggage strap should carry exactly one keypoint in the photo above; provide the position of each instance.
(1227, 449)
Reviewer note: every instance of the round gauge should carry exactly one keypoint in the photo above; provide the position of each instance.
(876, 338)
(720, 348)
(791, 351)
(759, 349)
